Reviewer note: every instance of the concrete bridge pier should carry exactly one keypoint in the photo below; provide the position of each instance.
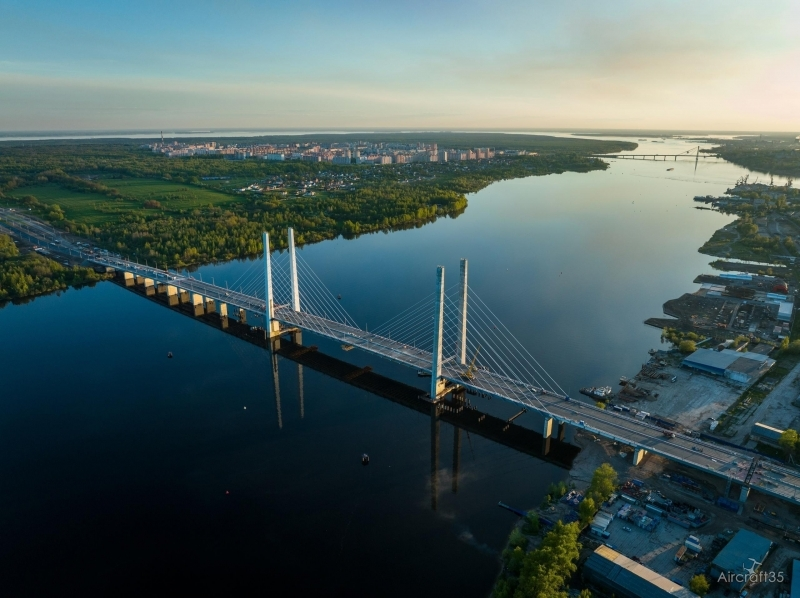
(546, 446)
(172, 295)
(210, 306)
(183, 296)
(743, 494)
(274, 344)
(222, 308)
(638, 455)
(562, 429)
(547, 427)
(197, 304)
(149, 287)
(129, 278)
(242, 315)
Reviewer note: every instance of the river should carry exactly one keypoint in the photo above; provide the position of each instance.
(127, 472)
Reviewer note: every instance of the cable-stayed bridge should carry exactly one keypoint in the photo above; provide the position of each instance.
(451, 336)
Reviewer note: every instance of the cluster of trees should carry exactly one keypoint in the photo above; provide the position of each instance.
(30, 275)
(790, 441)
(774, 156)
(789, 347)
(699, 585)
(554, 492)
(604, 482)
(686, 342)
(746, 226)
(7, 247)
(544, 572)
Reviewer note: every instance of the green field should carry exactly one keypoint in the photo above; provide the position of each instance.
(173, 196)
(96, 208)
(91, 208)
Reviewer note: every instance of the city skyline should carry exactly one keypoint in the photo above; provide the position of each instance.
(90, 66)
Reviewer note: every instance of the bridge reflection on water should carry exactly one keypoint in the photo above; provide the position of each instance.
(456, 411)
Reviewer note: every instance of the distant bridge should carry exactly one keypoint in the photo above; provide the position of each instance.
(691, 153)
(452, 336)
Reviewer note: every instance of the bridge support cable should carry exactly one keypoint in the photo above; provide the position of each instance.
(492, 354)
(511, 364)
(403, 314)
(522, 350)
(334, 306)
(411, 328)
(281, 293)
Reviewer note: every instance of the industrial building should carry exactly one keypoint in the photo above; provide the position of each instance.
(733, 365)
(767, 434)
(618, 575)
(741, 557)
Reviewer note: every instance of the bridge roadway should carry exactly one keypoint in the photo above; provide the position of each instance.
(725, 463)
(54, 241)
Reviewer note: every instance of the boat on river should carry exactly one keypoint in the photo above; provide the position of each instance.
(597, 392)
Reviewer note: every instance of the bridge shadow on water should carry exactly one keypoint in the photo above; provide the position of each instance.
(456, 410)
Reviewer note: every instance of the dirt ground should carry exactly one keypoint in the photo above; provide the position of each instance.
(775, 410)
(691, 400)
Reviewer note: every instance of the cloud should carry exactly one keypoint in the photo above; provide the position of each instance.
(683, 64)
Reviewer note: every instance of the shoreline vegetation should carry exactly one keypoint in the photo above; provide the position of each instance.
(183, 212)
(772, 154)
(24, 276)
(536, 563)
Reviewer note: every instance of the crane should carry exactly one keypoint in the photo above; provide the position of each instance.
(470, 373)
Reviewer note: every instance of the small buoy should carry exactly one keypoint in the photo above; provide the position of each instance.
(245, 407)
(169, 355)
(227, 492)
(365, 459)
(339, 297)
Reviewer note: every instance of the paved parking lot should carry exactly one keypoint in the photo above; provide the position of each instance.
(657, 549)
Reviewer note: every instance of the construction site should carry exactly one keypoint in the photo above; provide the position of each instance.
(731, 304)
(678, 523)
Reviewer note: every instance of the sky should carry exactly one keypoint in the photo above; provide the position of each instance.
(504, 65)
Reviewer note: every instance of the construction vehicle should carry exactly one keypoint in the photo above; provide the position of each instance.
(470, 373)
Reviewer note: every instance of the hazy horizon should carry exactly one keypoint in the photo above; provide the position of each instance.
(680, 66)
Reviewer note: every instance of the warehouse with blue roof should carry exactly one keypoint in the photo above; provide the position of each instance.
(733, 365)
(745, 553)
(612, 572)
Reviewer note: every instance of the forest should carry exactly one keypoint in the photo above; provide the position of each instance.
(770, 154)
(147, 206)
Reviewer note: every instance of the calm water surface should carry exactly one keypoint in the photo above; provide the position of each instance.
(125, 472)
